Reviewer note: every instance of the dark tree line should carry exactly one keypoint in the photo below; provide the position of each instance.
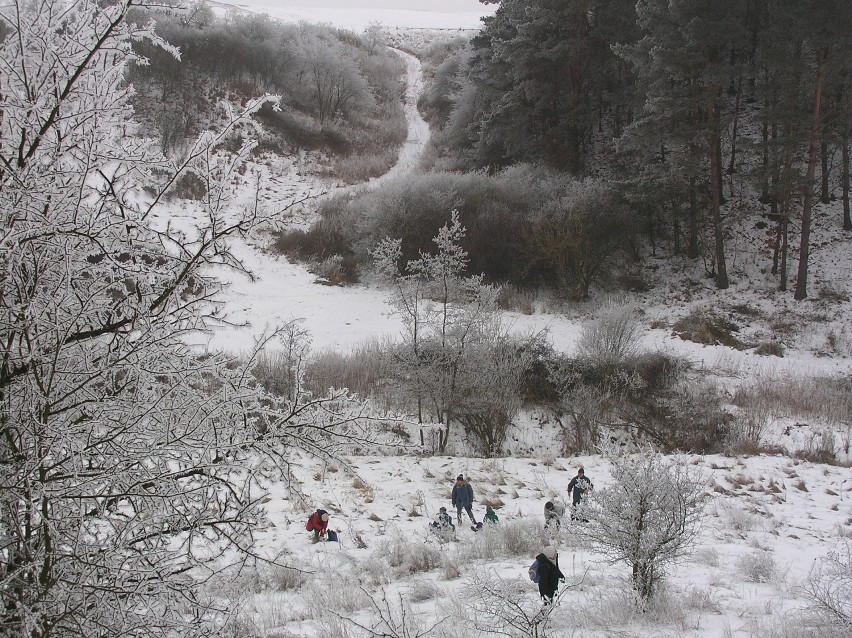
(670, 98)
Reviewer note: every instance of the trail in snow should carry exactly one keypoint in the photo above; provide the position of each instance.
(342, 318)
(337, 318)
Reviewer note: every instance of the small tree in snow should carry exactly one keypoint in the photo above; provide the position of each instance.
(828, 588)
(647, 518)
(446, 313)
(611, 337)
(510, 607)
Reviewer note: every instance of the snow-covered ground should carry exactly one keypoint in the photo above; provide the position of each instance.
(767, 518)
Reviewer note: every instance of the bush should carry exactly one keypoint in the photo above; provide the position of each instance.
(327, 252)
(818, 398)
(188, 186)
(757, 567)
(409, 557)
(833, 292)
(579, 239)
(611, 337)
(509, 538)
(646, 396)
(770, 349)
(648, 518)
(828, 588)
(707, 327)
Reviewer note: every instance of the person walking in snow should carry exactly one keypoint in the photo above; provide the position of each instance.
(463, 498)
(549, 574)
(553, 513)
(579, 486)
(318, 524)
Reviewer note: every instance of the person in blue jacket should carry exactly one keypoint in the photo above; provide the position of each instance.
(463, 498)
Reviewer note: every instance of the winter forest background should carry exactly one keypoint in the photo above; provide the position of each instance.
(620, 239)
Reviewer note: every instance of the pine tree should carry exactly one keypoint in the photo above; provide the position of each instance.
(683, 65)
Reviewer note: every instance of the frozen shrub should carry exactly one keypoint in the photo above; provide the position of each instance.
(828, 588)
(421, 590)
(188, 186)
(833, 292)
(410, 556)
(707, 327)
(646, 528)
(758, 567)
(612, 336)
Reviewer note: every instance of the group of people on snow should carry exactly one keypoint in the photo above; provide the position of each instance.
(546, 565)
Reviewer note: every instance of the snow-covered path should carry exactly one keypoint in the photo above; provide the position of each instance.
(337, 318)
(342, 318)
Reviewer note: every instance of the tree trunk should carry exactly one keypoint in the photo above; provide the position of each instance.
(844, 177)
(784, 226)
(776, 174)
(764, 186)
(807, 203)
(732, 165)
(692, 251)
(825, 196)
(847, 220)
(776, 248)
(716, 199)
(676, 212)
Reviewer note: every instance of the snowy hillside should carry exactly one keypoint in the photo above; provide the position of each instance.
(768, 520)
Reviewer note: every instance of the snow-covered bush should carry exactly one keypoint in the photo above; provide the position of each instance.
(647, 518)
(757, 567)
(829, 590)
(408, 555)
(612, 336)
(510, 537)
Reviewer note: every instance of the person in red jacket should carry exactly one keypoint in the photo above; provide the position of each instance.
(318, 524)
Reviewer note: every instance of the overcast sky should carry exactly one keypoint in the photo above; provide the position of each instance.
(452, 6)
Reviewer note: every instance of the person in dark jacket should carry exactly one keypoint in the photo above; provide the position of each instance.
(549, 574)
(463, 498)
(318, 524)
(579, 487)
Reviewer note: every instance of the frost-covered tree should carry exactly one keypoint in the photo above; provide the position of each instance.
(828, 589)
(129, 462)
(647, 518)
(446, 313)
(611, 337)
(511, 607)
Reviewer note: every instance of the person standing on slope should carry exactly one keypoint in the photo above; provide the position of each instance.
(579, 486)
(549, 574)
(463, 498)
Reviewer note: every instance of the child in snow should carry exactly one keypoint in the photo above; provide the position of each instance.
(318, 524)
(490, 516)
(553, 513)
(443, 526)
